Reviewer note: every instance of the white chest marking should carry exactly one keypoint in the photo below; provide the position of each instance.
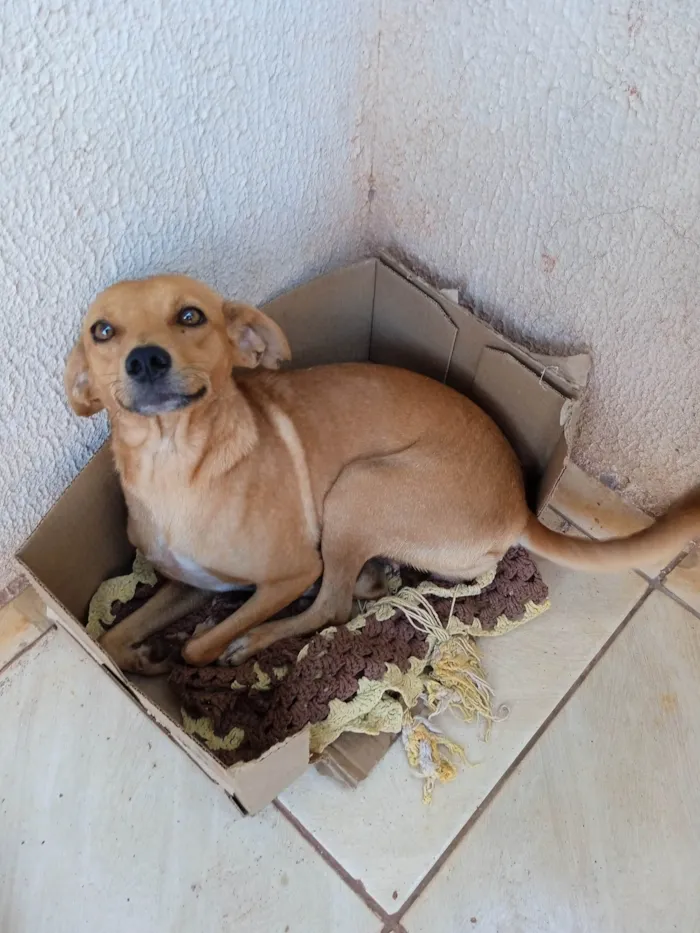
(187, 571)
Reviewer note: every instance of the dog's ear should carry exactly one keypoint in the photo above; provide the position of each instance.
(78, 385)
(256, 338)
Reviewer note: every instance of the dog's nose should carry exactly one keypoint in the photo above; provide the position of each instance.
(146, 364)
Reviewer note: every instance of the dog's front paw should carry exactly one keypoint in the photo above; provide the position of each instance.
(237, 652)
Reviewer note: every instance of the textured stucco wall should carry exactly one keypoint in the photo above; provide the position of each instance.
(216, 137)
(543, 155)
(546, 157)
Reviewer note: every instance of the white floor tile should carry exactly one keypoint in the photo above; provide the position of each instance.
(381, 832)
(21, 622)
(684, 580)
(106, 826)
(598, 828)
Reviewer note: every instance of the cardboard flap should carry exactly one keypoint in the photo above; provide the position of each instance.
(561, 456)
(257, 783)
(566, 375)
(329, 319)
(574, 369)
(555, 469)
(529, 412)
(352, 756)
(569, 374)
(409, 329)
(86, 529)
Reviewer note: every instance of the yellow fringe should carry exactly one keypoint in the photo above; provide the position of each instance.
(430, 753)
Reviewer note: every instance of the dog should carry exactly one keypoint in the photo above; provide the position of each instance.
(236, 475)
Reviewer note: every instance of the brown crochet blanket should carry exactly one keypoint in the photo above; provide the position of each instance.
(279, 692)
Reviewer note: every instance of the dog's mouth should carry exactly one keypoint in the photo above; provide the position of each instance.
(161, 402)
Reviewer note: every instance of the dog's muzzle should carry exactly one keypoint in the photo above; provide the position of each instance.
(152, 387)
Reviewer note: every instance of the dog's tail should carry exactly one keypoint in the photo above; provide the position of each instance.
(659, 543)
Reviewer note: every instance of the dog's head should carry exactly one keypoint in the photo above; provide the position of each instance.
(163, 344)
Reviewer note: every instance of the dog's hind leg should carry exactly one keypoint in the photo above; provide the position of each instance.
(372, 582)
(122, 641)
(394, 506)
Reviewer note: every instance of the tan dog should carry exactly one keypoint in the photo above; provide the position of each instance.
(271, 479)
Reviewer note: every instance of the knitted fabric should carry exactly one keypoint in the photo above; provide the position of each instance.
(409, 650)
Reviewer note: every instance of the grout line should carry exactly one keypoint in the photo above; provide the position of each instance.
(491, 796)
(674, 563)
(658, 582)
(26, 648)
(393, 926)
(570, 521)
(330, 860)
(677, 599)
(572, 524)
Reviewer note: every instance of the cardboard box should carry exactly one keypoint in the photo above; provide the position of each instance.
(375, 310)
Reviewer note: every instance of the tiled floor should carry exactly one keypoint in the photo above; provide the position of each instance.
(582, 813)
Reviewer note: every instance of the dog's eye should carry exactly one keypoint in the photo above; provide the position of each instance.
(191, 317)
(102, 331)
